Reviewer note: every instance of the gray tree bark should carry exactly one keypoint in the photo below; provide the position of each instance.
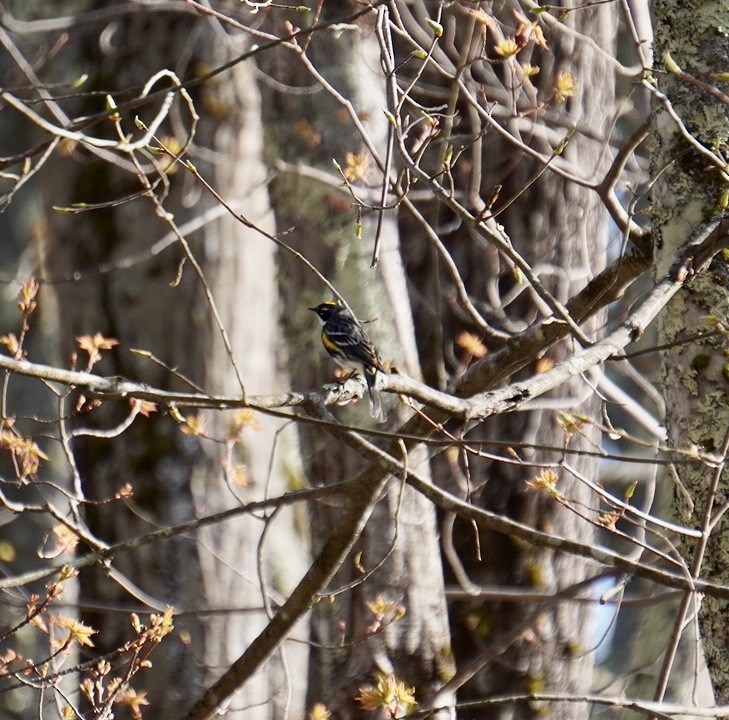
(687, 192)
(158, 304)
(399, 545)
(561, 230)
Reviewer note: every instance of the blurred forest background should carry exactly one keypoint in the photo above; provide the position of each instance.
(524, 205)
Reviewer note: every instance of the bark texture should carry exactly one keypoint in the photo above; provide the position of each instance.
(561, 230)
(158, 303)
(398, 551)
(694, 373)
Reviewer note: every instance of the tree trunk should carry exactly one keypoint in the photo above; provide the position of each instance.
(399, 545)
(561, 230)
(158, 304)
(686, 193)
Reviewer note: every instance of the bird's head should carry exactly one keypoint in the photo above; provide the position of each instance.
(327, 310)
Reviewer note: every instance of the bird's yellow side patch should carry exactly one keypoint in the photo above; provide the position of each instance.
(328, 344)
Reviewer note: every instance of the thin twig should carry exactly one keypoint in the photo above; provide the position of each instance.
(690, 596)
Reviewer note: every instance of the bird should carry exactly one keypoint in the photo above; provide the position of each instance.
(347, 342)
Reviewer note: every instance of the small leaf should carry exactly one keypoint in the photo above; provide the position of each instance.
(357, 166)
(93, 345)
(194, 425)
(67, 572)
(27, 295)
(125, 491)
(609, 519)
(670, 63)
(436, 27)
(390, 695)
(77, 630)
(471, 343)
(529, 31)
(133, 700)
(319, 711)
(175, 413)
(240, 476)
(26, 454)
(145, 407)
(243, 418)
(483, 18)
(11, 342)
(506, 47)
(564, 86)
(385, 610)
(448, 156)
(547, 481)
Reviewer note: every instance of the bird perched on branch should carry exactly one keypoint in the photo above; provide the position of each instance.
(347, 342)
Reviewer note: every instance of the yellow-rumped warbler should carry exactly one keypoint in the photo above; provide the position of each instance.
(347, 342)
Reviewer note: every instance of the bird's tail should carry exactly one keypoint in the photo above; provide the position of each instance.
(376, 409)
